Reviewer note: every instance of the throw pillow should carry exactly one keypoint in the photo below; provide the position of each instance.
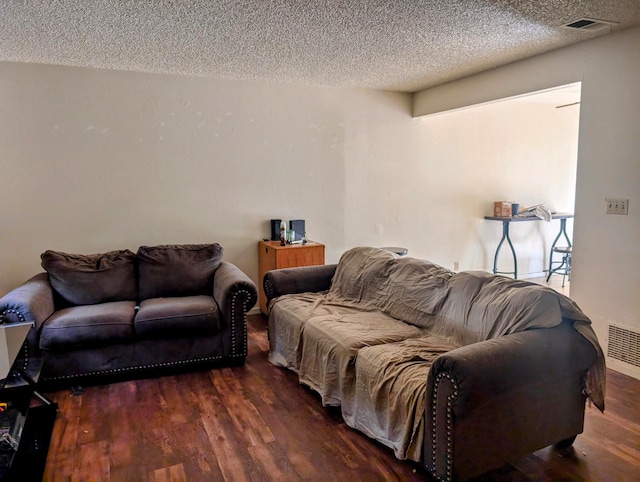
(177, 270)
(91, 279)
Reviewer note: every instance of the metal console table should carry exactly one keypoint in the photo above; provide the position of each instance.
(505, 236)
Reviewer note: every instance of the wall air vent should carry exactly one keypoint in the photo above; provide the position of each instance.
(624, 345)
(590, 24)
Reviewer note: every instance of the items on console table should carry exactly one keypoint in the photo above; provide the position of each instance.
(271, 255)
(506, 221)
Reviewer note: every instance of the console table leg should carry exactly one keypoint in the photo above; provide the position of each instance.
(505, 235)
(513, 251)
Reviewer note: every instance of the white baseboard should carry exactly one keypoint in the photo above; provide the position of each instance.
(622, 367)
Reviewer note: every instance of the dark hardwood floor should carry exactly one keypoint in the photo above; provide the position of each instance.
(257, 423)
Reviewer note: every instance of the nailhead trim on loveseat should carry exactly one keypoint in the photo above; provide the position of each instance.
(242, 354)
(25, 348)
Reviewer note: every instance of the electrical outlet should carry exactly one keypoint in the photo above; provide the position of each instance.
(456, 265)
(617, 206)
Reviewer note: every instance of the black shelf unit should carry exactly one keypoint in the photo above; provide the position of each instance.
(36, 414)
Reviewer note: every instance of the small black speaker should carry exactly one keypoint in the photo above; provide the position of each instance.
(275, 229)
(297, 226)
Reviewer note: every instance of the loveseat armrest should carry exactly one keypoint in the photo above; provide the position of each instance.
(235, 294)
(31, 301)
(303, 279)
(493, 402)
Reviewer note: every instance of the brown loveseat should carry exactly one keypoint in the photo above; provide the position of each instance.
(120, 314)
(462, 372)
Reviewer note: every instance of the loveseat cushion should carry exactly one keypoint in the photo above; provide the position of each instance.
(90, 279)
(177, 270)
(177, 317)
(79, 326)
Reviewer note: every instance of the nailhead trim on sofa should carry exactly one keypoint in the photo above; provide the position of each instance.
(268, 289)
(450, 400)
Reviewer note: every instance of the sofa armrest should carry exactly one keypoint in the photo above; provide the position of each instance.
(31, 301)
(492, 402)
(235, 295)
(303, 279)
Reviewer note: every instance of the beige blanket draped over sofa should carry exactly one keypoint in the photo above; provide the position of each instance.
(367, 344)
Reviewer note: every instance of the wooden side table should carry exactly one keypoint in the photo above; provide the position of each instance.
(271, 255)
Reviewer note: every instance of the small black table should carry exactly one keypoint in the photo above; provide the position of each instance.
(506, 221)
(31, 415)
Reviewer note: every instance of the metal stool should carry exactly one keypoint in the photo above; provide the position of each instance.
(566, 263)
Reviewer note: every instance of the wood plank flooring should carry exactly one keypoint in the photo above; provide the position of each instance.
(258, 423)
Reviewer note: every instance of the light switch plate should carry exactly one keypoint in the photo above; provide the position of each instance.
(617, 206)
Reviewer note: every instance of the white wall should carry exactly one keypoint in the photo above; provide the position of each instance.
(94, 160)
(606, 278)
(432, 196)
(98, 160)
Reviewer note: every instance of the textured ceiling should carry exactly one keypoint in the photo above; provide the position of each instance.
(403, 45)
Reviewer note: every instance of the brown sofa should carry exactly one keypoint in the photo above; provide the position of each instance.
(121, 315)
(463, 372)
